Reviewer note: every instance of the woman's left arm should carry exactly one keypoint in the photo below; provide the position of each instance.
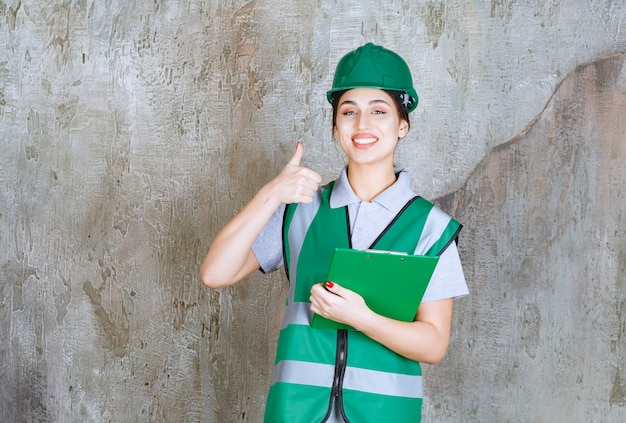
(425, 339)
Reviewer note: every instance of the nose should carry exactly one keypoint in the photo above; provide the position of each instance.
(363, 121)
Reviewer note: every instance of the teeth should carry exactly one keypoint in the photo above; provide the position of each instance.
(364, 140)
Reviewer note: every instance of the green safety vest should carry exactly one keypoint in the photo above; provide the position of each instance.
(314, 367)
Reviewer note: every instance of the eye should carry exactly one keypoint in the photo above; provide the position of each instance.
(348, 113)
(379, 112)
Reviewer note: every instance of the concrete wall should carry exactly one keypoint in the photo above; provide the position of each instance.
(544, 330)
(131, 131)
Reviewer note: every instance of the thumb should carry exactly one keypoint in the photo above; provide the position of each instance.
(297, 156)
(333, 287)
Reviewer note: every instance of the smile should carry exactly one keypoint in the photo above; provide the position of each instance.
(363, 141)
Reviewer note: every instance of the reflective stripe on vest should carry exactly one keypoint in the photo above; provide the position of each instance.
(364, 380)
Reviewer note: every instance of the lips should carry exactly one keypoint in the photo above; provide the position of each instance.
(364, 140)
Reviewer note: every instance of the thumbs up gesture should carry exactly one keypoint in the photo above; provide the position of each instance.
(295, 184)
(297, 155)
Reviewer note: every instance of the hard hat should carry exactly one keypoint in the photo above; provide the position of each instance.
(372, 66)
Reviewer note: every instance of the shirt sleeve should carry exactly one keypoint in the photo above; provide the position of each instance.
(268, 247)
(448, 280)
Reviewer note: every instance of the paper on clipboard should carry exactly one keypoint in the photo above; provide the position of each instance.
(391, 284)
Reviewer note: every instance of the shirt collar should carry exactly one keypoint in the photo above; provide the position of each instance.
(393, 198)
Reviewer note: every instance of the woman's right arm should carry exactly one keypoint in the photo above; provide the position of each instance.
(230, 257)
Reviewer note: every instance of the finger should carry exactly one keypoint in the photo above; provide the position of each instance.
(317, 289)
(334, 288)
(305, 193)
(297, 156)
(320, 296)
(315, 177)
(306, 184)
(318, 305)
(314, 298)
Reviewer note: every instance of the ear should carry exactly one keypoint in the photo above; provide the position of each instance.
(404, 129)
(335, 133)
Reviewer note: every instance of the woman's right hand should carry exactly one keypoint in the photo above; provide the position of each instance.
(230, 257)
(295, 184)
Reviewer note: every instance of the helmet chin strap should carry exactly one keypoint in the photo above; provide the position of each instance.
(406, 99)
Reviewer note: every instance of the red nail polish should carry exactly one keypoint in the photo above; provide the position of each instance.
(329, 284)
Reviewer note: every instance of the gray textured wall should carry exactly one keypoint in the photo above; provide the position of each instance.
(132, 131)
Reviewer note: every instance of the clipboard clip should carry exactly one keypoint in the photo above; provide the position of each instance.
(395, 253)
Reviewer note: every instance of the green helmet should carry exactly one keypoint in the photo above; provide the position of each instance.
(372, 66)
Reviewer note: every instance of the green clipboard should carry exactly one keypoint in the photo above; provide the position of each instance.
(392, 284)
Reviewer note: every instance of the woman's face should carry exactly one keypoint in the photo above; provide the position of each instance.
(368, 126)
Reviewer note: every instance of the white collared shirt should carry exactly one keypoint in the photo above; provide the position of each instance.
(367, 221)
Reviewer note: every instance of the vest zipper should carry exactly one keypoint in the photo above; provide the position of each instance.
(341, 359)
(341, 354)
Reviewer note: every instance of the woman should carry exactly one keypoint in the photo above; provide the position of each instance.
(372, 373)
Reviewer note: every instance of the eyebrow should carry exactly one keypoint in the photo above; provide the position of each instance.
(369, 103)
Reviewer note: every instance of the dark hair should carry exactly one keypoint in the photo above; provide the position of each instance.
(397, 96)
